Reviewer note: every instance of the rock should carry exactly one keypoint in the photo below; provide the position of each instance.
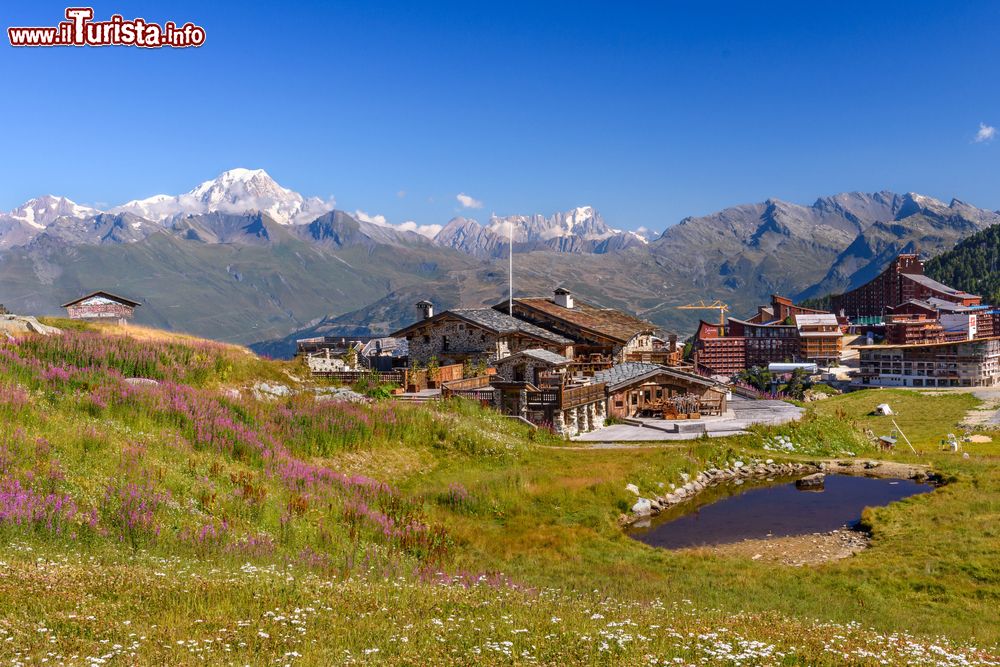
(642, 507)
(814, 481)
(633, 488)
(738, 464)
(265, 390)
(20, 324)
(139, 381)
(343, 394)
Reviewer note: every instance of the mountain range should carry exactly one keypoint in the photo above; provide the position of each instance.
(244, 259)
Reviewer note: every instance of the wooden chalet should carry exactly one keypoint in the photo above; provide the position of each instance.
(639, 389)
(101, 306)
(596, 332)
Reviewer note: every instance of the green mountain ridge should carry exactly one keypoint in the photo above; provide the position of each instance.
(973, 265)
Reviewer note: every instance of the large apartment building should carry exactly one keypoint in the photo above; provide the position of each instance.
(967, 363)
(902, 281)
(778, 333)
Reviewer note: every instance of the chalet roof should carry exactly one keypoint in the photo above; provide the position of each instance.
(930, 283)
(107, 295)
(491, 320)
(926, 305)
(606, 322)
(949, 306)
(622, 375)
(540, 355)
(775, 324)
(814, 319)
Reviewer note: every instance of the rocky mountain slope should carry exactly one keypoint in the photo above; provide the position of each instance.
(242, 258)
(918, 224)
(581, 230)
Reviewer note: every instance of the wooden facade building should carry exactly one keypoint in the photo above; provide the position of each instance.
(101, 306)
(595, 331)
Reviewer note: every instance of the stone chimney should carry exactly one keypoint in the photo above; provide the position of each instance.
(425, 310)
(563, 297)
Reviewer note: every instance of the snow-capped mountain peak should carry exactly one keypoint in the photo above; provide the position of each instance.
(43, 211)
(235, 191)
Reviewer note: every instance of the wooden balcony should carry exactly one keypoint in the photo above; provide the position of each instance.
(565, 398)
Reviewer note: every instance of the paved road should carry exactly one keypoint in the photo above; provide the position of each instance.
(742, 413)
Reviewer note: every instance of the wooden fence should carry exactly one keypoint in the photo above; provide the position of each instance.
(350, 377)
(565, 398)
(461, 387)
(408, 378)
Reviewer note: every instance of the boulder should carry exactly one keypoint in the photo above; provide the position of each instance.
(814, 481)
(141, 381)
(642, 507)
(21, 324)
(633, 488)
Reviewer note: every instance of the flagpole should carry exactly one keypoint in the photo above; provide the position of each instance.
(510, 269)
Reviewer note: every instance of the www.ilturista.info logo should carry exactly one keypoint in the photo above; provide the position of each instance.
(80, 30)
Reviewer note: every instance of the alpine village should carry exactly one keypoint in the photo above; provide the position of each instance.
(522, 475)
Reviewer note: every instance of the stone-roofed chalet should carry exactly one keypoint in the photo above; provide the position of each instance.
(475, 335)
(604, 331)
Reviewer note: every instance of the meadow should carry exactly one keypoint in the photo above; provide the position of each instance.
(153, 510)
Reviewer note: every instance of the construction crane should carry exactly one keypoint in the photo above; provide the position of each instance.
(715, 305)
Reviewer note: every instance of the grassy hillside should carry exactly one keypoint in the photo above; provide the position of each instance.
(238, 292)
(186, 521)
(973, 265)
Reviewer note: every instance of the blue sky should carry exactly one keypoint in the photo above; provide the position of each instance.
(648, 111)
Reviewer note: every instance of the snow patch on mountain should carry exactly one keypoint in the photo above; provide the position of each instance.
(43, 211)
(236, 191)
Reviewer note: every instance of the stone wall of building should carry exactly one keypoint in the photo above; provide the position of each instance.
(639, 343)
(506, 368)
(582, 419)
(453, 341)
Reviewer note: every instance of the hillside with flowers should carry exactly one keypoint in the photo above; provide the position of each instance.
(157, 507)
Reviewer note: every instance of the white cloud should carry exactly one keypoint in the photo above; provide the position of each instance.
(430, 231)
(645, 232)
(408, 226)
(374, 219)
(467, 201)
(985, 134)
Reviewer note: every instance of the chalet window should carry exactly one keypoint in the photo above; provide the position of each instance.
(444, 343)
(427, 339)
(619, 403)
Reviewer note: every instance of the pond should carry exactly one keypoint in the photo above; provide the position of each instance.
(776, 510)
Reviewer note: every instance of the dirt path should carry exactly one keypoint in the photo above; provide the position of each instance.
(797, 551)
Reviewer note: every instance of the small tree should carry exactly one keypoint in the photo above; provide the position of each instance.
(798, 383)
(757, 377)
(351, 358)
